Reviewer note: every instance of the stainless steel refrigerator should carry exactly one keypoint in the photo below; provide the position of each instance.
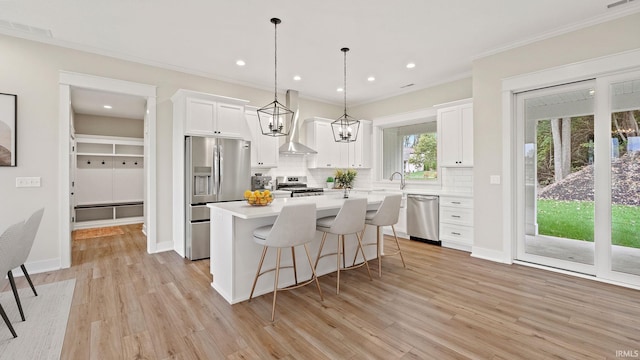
(216, 169)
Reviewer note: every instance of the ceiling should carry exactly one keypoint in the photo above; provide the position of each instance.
(94, 102)
(207, 37)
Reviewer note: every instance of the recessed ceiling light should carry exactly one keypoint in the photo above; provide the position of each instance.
(411, 65)
(107, 106)
(339, 89)
(240, 63)
(371, 78)
(297, 78)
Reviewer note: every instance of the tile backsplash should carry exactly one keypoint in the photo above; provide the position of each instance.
(453, 179)
(457, 180)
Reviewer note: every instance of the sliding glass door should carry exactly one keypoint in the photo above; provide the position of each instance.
(622, 254)
(557, 176)
(579, 177)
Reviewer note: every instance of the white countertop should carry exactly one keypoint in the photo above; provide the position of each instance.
(243, 210)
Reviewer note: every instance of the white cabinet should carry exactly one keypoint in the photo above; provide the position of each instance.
(456, 222)
(209, 115)
(264, 149)
(360, 150)
(456, 135)
(108, 186)
(332, 154)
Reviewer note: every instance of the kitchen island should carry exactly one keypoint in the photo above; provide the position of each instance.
(235, 256)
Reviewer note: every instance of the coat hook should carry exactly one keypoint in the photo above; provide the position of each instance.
(124, 163)
(135, 163)
(102, 162)
(89, 162)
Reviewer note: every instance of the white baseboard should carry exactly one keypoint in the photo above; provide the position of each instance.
(491, 255)
(456, 245)
(164, 246)
(36, 267)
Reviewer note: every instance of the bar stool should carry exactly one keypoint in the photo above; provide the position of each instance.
(386, 215)
(294, 226)
(350, 220)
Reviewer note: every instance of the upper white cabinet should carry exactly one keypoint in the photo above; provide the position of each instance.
(209, 115)
(456, 135)
(360, 150)
(332, 154)
(264, 149)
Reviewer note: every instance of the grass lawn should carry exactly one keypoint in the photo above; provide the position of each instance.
(574, 220)
(421, 175)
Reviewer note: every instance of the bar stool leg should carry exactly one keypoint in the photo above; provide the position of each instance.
(275, 285)
(355, 257)
(398, 245)
(366, 263)
(340, 240)
(255, 281)
(324, 237)
(15, 293)
(313, 271)
(379, 251)
(295, 271)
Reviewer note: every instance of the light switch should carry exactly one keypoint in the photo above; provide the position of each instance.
(494, 179)
(28, 181)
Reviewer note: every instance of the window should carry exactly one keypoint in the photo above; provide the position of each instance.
(412, 150)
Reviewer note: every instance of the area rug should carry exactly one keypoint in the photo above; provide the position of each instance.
(42, 334)
(97, 232)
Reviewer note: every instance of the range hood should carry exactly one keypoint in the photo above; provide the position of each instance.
(292, 145)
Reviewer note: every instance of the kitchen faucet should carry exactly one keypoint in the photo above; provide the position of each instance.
(402, 183)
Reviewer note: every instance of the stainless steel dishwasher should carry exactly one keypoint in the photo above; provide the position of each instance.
(422, 218)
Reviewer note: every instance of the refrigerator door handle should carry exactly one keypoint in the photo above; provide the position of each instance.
(220, 175)
(216, 171)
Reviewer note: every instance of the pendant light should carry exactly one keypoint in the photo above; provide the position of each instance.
(345, 129)
(275, 118)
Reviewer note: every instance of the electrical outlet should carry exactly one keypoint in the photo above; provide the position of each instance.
(28, 181)
(494, 179)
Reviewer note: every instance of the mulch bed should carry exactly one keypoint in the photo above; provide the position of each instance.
(578, 186)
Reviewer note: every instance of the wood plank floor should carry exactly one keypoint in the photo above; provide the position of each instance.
(445, 305)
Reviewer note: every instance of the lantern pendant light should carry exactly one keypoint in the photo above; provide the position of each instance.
(345, 129)
(275, 118)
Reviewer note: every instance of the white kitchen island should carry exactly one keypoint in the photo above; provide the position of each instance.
(235, 256)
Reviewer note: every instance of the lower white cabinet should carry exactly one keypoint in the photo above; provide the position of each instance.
(456, 222)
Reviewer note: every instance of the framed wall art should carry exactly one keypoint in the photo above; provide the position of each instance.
(8, 126)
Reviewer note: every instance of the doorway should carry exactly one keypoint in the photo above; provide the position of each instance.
(578, 179)
(69, 81)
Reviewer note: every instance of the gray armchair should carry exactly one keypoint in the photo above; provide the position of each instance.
(8, 239)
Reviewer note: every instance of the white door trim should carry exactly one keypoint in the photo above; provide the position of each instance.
(71, 79)
(588, 69)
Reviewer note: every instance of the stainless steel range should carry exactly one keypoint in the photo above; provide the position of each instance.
(297, 185)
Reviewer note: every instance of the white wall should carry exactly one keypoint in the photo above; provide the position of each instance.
(31, 70)
(587, 43)
(417, 100)
(108, 126)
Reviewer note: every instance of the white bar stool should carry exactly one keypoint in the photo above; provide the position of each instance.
(294, 226)
(350, 220)
(386, 215)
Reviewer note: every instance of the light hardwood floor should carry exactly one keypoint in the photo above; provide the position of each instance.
(445, 305)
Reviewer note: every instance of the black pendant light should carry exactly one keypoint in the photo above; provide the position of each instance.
(345, 129)
(275, 118)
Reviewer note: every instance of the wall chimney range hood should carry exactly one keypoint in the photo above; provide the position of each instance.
(292, 145)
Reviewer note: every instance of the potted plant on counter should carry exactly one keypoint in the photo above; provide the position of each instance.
(344, 180)
(330, 182)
